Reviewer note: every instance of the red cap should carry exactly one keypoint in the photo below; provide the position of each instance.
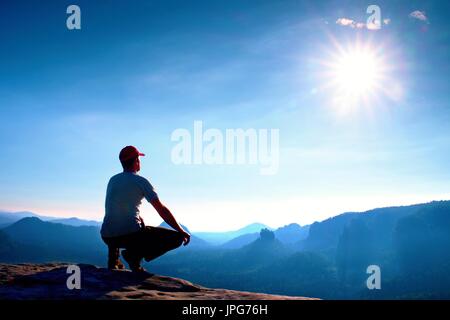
(129, 152)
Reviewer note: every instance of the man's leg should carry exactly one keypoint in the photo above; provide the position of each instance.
(113, 254)
(113, 259)
(133, 252)
(156, 241)
(149, 243)
(133, 257)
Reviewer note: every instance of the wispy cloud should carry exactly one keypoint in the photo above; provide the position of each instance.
(419, 15)
(346, 22)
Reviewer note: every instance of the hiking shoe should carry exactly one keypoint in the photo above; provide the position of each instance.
(114, 262)
(116, 265)
(139, 269)
(134, 262)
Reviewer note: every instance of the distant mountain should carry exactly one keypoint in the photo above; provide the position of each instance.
(324, 236)
(219, 267)
(219, 238)
(47, 241)
(289, 234)
(298, 273)
(5, 244)
(16, 252)
(292, 233)
(195, 242)
(241, 241)
(8, 218)
(265, 250)
(75, 222)
(419, 233)
(409, 243)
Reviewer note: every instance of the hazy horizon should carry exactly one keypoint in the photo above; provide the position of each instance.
(156, 220)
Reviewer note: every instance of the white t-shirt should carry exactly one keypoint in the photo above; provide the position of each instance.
(124, 194)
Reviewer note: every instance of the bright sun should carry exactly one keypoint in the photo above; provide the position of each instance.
(356, 75)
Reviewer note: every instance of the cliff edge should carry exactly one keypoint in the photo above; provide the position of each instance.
(49, 282)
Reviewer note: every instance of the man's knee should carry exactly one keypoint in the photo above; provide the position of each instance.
(164, 238)
(172, 237)
(177, 240)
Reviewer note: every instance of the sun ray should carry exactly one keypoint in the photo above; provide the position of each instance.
(355, 75)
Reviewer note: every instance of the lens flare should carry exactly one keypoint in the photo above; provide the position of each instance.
(355, 76)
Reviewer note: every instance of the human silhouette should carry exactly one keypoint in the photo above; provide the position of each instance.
(123, 227)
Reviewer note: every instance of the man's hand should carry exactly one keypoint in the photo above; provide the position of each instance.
(170, 219)
(186, 237)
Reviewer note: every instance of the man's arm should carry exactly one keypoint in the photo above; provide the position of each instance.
(168, 217)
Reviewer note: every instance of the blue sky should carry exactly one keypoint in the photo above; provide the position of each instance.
(134, 73)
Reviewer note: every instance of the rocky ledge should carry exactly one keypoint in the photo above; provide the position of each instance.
(50, 282)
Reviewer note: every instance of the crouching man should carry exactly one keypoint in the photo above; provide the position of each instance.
(122, 225)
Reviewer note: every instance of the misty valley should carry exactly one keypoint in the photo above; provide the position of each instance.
(327, 259)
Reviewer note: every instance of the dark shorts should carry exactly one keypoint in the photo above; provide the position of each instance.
(148, 243)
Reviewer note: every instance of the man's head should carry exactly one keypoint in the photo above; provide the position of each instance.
(129, 158)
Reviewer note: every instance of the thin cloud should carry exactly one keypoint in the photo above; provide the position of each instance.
(345, 22)
(419, 15)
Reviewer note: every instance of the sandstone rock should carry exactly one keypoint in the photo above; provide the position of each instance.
(48, 281)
